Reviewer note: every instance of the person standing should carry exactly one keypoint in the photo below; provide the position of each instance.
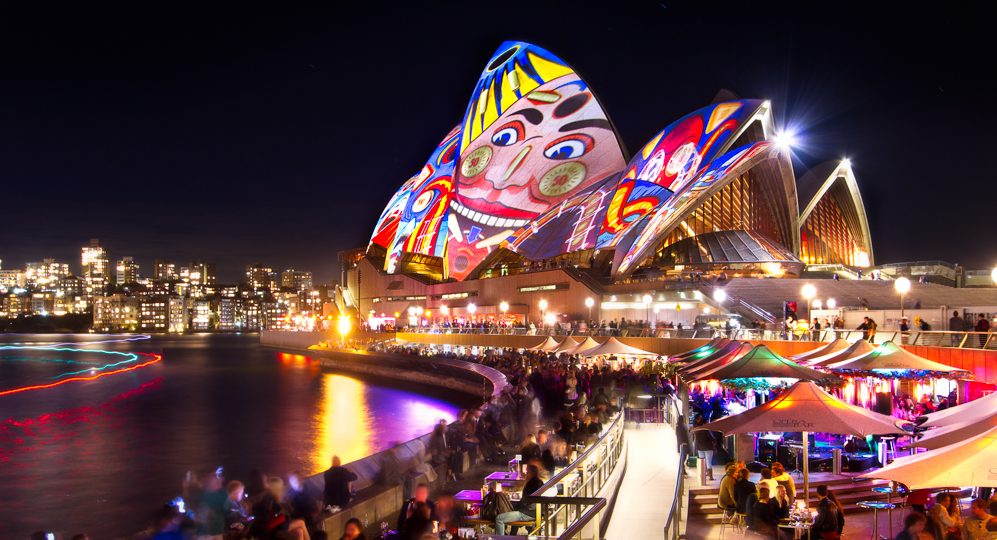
(982, 325)
(705, 446)
(338, 481)
(979, 525)
(410, 518)
(956, 324)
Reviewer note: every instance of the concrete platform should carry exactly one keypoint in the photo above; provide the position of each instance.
(648, 486)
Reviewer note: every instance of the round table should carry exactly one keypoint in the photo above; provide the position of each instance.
(876, 506)
(797, 526)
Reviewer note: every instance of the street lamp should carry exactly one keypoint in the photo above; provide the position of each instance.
(720, 296)
(444, 310)
(504, 307)
(809, 292)
(589, 302)
(543, 309)
(647, 304)
(993, 275)
(831, 303)
(902, 285)
(818, 304)
(472, 309)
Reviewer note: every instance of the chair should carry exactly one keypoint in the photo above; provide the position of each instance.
(728, 520)
(890, 452)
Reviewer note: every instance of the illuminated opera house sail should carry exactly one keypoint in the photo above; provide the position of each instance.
(534, 173)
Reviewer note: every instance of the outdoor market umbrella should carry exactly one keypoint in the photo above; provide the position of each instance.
(960, 413)
(890, 360)
(759, 363)
(710, 356)
(854, 350)
(734, 349)
(567, 346)
(805, 407)
(585, 346)
(972, 462)
(958, 432)
(838, 344)
(614, 346)
(707, 347)
(547, 345)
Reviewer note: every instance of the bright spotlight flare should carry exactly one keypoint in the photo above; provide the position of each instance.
(786, 140)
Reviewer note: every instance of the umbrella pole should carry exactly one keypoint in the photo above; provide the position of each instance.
(806, 469)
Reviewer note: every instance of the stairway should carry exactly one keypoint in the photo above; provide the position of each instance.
(703, 500)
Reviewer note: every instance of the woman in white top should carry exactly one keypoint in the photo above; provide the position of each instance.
(767, 481)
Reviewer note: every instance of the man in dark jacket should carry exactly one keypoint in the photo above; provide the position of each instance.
(407, 513)
(743, 488)
(337, 484)
(827, 515)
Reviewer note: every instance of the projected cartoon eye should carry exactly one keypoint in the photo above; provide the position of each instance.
(562, 179)
(508, 134)
(422, 202)
(569, 147)
(476, 161)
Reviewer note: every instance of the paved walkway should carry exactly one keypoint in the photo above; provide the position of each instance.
(648, 486)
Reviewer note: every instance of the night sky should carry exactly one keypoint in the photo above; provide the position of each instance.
(238, 136)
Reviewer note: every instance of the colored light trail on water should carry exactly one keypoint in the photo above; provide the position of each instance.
(131, 361)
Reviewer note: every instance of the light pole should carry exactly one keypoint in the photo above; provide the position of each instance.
(902, 285)
(647, 305)
(504, 308)
(993, 275)
(818, 304)
(589, 302)
(543, 311)
(831, 303)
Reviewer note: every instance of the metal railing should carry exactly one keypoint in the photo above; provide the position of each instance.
(675, 520)
(576, 508)
(931, 338)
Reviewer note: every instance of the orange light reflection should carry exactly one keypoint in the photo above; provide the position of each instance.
(342, 421)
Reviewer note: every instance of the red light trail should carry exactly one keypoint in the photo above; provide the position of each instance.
(155, 358)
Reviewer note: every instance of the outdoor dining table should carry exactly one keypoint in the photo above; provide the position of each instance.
(468, 496)
(876, 506)
(798, 527)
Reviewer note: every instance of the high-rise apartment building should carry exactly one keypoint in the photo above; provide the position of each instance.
(45, 275)
(126, 270)
(164, 270)
(296, 279)
(261, 278)
(96, 268)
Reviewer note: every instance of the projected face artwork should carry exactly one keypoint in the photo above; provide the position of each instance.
(534, 136)
(423, 220)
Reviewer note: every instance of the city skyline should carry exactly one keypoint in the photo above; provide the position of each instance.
(242, 140)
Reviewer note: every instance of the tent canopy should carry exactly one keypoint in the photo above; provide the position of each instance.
(567, 346)
(806, 407)
(613, 346)
(889, 358)
(585, 346)
(854, 350)
(972, 462)
(838, 344)
(546, 345)
(761, 362)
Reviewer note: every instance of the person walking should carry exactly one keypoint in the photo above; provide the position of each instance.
(956, 324)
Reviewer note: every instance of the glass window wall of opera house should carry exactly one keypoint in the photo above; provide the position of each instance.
(534, 178)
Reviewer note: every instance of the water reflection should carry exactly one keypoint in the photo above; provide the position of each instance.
(342, 421)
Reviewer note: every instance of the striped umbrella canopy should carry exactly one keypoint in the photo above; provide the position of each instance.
(761, 362)
(889, 360)
(732, 350)
(854, 350)
(708, 347)
(838, 344)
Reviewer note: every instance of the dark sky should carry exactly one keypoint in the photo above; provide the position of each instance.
(237, 136)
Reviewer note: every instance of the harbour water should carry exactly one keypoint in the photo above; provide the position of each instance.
(99, 456)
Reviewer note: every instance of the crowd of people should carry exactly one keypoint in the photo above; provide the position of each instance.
(550, 406)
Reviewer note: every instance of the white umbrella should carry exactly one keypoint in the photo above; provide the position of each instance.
(954, 415)
(806, 408)
(824, 350)
(890, 358)
(953, 433)
(972, 462)
(567, 346)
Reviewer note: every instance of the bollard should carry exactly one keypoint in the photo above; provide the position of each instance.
(836, 461)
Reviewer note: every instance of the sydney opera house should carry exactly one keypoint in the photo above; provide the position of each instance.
(531, 203)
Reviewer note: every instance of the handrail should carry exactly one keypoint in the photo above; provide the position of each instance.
(673, 522)
(581, 458)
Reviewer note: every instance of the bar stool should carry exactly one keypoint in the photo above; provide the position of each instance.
(727, 520)
(890, 451)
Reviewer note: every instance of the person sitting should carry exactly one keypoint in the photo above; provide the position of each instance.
(979, 525)
(742, 489)
(522, 511)
(408, 518)
(338, 484)
(767, 481)
(530, 449)
(914, 523)
(826, 523)
(763, 518)
(726, 500)
(781, 503)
